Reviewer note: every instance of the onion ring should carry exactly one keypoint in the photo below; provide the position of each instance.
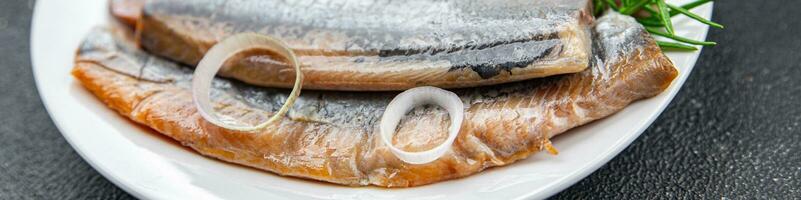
(214, 59)
(405, 102)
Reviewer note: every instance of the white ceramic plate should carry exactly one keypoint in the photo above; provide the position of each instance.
(150, 166)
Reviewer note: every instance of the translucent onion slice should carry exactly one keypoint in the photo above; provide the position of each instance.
(405, 102)
(214, 60)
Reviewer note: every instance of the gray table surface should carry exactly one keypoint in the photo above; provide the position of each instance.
(732, 132)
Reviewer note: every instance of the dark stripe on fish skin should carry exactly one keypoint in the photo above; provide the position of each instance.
(469, 46)
(490, 60)
(487, 71)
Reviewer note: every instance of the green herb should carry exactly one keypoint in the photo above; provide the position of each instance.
(656, 17)
(694, 16)
(664, 15)
(612, 4)
(628, 10)
(675, 46)
(678, 38)
(690, 6)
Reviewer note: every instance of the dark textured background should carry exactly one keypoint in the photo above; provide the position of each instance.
(732, 132)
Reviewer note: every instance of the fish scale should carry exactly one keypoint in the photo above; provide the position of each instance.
(340, 144)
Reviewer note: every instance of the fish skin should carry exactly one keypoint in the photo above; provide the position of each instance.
(332, 136)
(127, 11)
(369, 45)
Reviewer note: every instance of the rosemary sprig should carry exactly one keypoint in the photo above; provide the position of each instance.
(658, 18)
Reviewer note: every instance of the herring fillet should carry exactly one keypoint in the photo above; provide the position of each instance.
(127, 11)
(332, 136)
(371, 45)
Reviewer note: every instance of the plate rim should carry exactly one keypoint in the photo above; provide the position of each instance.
(563, 182)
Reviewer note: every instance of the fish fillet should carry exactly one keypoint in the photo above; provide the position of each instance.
(376, 45)
(332, 136)
(127, 11)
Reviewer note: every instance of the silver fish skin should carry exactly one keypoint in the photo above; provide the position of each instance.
(372, 45)
(332, 136)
